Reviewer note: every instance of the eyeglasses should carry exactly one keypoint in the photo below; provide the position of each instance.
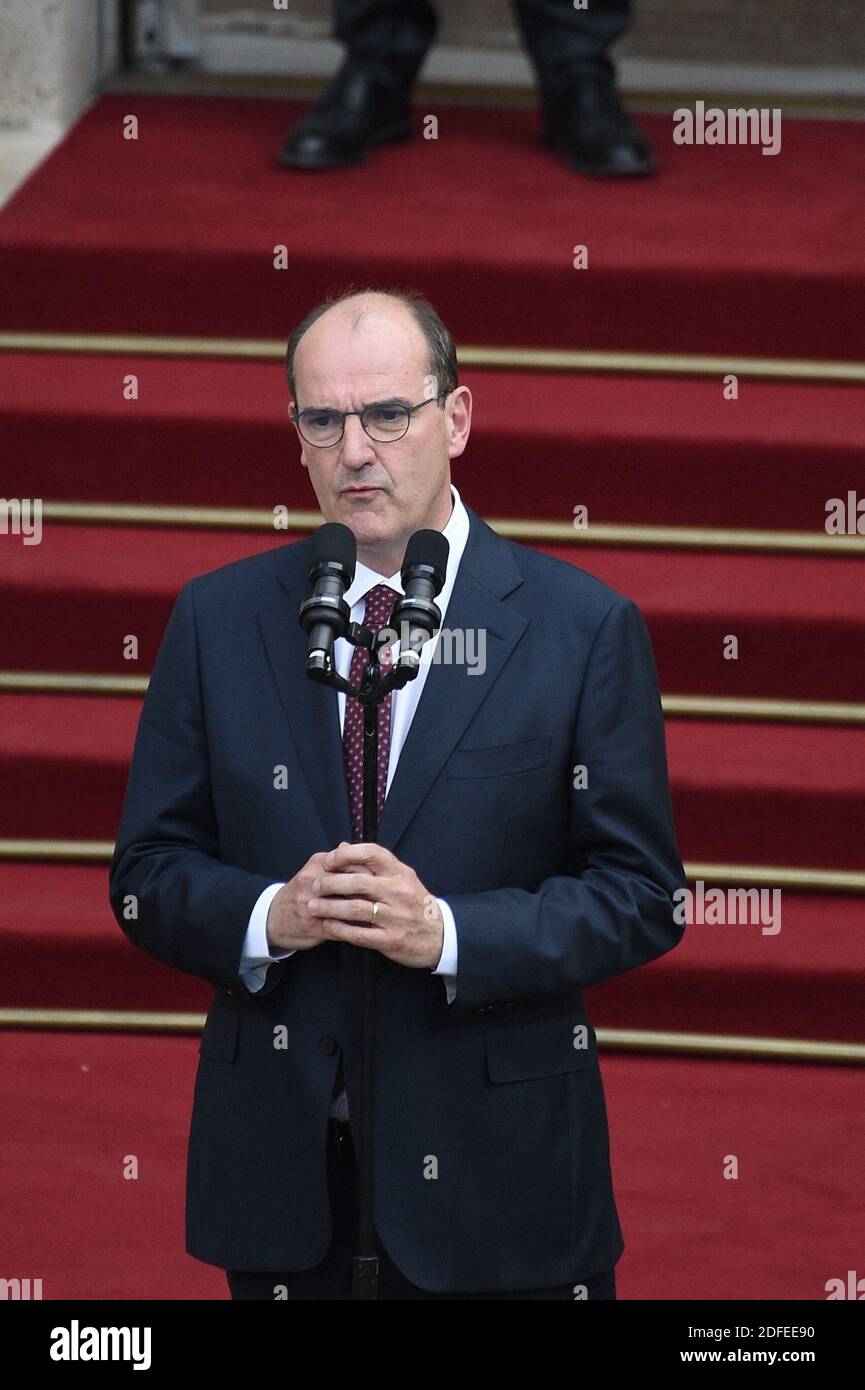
(383, 421)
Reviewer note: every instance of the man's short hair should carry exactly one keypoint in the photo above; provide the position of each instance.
(442, 360)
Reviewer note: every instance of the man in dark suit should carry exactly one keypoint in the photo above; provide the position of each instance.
(368, 102)
(526, 850)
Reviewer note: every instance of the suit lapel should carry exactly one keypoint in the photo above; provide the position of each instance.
(451, 696)
(311, 710)
(448, 702)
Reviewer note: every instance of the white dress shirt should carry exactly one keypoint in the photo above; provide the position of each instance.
(256, 957)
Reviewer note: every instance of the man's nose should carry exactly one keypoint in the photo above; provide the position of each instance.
(356, 447)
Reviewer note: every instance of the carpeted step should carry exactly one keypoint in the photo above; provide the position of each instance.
(799, 620)
(792, 1222)
(179, 231)
(62, 949)
(803, 980)
(63, 765)
(780, 794)
(743, 793)
(630, 449)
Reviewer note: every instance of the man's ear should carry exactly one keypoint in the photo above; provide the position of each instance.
(460, 421)
(291, 407)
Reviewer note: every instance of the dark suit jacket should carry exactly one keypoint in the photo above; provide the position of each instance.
(553, 888)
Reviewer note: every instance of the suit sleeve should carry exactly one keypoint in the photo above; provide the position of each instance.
(170, 891)
(613, 910)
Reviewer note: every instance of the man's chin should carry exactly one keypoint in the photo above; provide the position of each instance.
(369, 517)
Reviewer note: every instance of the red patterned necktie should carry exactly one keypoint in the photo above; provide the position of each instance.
(377, 611)
(376, 615)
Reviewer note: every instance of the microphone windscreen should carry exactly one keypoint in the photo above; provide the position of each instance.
(333, 541)
(428, 548)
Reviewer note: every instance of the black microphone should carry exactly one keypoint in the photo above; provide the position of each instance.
(325, 615)
(423, 574)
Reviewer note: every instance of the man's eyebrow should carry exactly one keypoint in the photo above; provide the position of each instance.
(379, 400)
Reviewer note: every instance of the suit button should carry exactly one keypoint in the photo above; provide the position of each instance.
(328, 1046)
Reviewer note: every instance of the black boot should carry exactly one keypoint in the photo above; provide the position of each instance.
(584, 119)
(357, 111)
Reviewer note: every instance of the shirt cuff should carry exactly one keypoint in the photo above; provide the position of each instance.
(447, 966)
(256, 956)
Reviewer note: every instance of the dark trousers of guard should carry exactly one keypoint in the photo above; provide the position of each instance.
(395, 34)
(332, 1279)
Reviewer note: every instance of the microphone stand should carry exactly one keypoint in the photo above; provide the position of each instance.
(373, 690)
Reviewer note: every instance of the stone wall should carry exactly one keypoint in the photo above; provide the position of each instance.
(49, 61)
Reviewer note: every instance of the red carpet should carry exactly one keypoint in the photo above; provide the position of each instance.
(175, 232)
(799, 619)
(206, 430)
(742, 793)
(785, 1226)
(63, 949)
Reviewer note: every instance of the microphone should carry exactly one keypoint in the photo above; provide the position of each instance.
(423, 574)
(325, 615)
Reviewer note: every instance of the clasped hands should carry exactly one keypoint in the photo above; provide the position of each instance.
(332, 898)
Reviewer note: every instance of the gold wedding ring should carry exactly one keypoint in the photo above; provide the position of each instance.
(375, 907)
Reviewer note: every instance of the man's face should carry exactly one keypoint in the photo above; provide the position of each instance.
(383, 491)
